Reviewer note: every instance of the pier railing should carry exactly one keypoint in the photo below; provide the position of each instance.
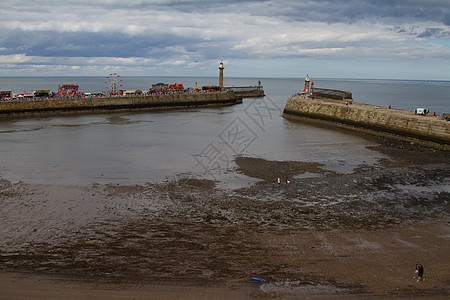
(333, 94)
(249, 88)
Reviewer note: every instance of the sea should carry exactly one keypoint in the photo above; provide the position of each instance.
(140, 147)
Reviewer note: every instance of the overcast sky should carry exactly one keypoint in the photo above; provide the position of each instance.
(407, 39)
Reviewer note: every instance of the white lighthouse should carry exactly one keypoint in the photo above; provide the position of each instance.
(306, 88)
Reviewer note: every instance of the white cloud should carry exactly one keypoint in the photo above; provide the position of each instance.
(16, 58)
(147, 35)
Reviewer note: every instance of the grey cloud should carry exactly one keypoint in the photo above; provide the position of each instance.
(331, 11)
(392, 12)
(446, 19)
(89, 44)
(346, 11)
(434, 33)
(199, 6)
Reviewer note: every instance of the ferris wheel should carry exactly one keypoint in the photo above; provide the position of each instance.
(113, 84)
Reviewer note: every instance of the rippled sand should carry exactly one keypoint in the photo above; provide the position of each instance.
(324, 234)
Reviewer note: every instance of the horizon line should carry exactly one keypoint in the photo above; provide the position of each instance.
(236, 77)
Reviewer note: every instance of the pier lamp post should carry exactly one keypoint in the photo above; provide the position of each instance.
(221, 74)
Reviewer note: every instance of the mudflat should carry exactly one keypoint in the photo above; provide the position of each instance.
(322, 235)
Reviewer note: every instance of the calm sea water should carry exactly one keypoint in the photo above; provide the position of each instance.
(140, 147)
(404, 94)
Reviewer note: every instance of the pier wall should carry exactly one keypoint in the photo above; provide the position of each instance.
(251, 91)
(127, 102)
(250, 94)
(361, 115)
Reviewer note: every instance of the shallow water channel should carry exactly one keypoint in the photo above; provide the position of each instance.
(153, 146)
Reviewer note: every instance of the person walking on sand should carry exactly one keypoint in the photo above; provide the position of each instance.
(416, 271)
(420, 272)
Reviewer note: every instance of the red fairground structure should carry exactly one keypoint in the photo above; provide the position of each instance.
(211, 88)
(176, 87)
(68, 90)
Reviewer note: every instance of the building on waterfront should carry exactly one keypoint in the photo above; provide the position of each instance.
(221, 74)
(42, 93)
(6, 95)
(24, 96)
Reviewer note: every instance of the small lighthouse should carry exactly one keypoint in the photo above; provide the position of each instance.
(221, 74)
(306, 88)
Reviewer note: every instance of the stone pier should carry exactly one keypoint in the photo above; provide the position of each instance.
(364, 116)
(124, 103)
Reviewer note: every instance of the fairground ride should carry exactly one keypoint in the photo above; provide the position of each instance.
(113, 84)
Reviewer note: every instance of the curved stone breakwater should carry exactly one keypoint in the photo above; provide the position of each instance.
(359, 115)
(114, 103)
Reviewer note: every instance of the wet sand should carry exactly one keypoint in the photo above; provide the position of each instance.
(325, 235)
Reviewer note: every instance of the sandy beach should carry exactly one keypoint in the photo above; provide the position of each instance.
(329, 235)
